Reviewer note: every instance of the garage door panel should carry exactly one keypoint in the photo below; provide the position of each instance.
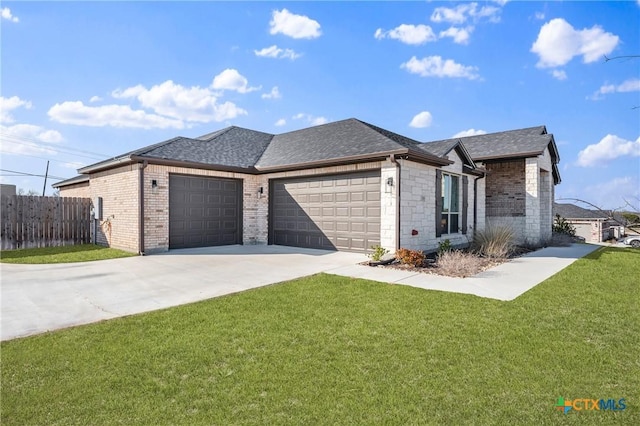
(373, 196)
(204, 211)
(332, 212)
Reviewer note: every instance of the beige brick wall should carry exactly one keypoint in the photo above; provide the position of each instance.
(78, 190)
(119, 191)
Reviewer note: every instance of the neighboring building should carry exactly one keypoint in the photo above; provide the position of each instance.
(345, 185)
(592, 225)
(7, 190)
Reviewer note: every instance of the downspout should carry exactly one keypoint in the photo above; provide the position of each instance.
(141, 168)
(475, 201)
(397, 164)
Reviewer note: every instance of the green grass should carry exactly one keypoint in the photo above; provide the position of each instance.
(334, 350)
(62, 254)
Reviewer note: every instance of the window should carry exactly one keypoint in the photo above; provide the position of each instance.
(449, 222)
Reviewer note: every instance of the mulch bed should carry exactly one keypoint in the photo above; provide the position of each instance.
(431, 265)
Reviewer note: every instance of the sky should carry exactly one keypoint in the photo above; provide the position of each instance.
(85, 81)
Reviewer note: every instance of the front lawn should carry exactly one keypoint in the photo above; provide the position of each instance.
(334, 350)
(62, 254)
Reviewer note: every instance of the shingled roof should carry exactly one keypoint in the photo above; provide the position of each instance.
(236, 148)
(571, 211)
(346, 141)
(529, 142)
(519, 143)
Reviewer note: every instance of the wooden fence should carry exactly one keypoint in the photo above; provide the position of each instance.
(32, 221)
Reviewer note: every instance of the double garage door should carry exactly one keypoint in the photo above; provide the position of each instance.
(333, 212)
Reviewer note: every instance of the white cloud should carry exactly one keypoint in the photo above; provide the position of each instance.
(231, 79)
(627, 188)
(469, 132)
(408, 34)
(281, 122)
(278, 53)
(313, 120)
(274, 94)
(558, 42)
(421, 120)
(9, 104)
(540, 15)
(6, 14)
(435, 66)
(193, 104)
(609, 148)
(459, 35)
(95, 99)
(292, 25)
(456, 15)
(559, 74)
(27, 136)
(466, 11)
(109, 115)
(631, 85)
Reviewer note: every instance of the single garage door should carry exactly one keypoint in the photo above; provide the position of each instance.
(204, 211)
(335, 212)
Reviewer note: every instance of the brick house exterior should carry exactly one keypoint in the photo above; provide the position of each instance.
(404, 184)
(522, 173)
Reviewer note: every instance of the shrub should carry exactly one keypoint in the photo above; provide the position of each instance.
(444, 246)
(377, 253)
(456, 263)
(495, 242)
(410, 257)
(561, 226)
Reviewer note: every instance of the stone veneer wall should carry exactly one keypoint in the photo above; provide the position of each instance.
(418, 206)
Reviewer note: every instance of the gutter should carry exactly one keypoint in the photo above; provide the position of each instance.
(475, 201)
(398, 221)
(141, 167)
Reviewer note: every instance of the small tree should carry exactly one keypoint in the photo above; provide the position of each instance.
(561, 226)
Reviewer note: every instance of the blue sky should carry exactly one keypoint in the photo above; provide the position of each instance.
(85, 81)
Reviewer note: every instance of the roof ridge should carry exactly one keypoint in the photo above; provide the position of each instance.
(154, 146)
(386, 133)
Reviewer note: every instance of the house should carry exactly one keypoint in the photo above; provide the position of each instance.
(346, 185)
(522, 171)
(592, 225)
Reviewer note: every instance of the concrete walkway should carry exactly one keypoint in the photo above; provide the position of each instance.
(504, 282)
(39, 298)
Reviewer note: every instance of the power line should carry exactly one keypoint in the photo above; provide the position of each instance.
(41, 158)
(39, 143)
(30, 174)
(57, 150)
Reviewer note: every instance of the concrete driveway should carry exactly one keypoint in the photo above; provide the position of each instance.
(38, 298)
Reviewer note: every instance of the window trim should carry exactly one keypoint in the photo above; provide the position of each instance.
(446, 201)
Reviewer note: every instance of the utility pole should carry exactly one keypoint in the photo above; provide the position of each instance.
(46, 173)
